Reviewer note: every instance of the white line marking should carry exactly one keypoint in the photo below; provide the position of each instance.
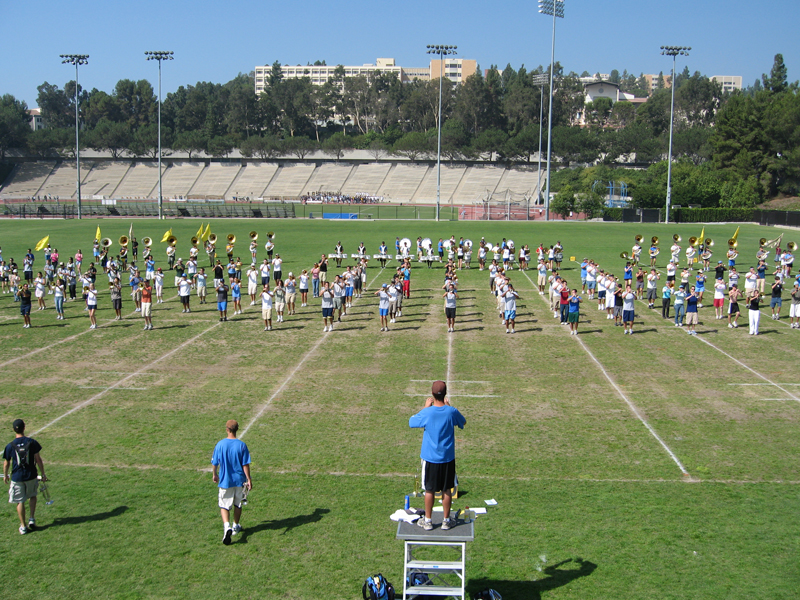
(775, 399)
(756, 373)
(459, 395)
(66, 339)
(455, 381)
(763, 384)
(104, 387)
(449, 357)
(292, 374)
(124, 379)
(630, 404)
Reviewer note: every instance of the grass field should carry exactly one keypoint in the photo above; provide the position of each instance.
(658, 465)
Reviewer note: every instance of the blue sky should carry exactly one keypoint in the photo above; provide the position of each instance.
(213, 41)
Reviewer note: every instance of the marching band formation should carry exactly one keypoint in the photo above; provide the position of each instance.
(684, 288)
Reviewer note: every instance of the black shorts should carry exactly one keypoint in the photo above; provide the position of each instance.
(28, 275)
(450, 313)
(438, 476)
(116, 303)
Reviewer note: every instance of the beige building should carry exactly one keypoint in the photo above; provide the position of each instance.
(729, 83)
(652, 81)
(455, 69)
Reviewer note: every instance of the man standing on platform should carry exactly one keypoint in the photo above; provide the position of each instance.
(438, 419)
(231, 461)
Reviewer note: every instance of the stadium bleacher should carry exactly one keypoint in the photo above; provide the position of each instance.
(290, 180)
(252, 180)
(451, 177)
(103, 177)
(402, 181)
(366, 178)
(179, 178)
(328, 177)
(215, 179)
(139, 181)
(26, 179)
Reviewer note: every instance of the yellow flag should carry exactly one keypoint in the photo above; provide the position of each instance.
(42, 243)
(199, 233)
(207, 232)
(166, 235)
(735, 235)
(702, 235)
(98, 236)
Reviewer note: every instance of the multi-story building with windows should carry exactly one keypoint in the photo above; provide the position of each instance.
(729, 83)
(455, 69)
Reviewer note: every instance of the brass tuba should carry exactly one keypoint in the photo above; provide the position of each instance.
(195, 240)
(693, 241)
(676, 238)
(709, 242)
(106, 242)
(639, 239)
(231, 238)
(123, 241)
(212, 239)
(147, 242)
(172, 241)
(254, 236)
(654, 240)
(791, 246)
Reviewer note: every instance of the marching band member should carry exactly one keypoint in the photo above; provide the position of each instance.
(636, 253)
(211, 252)
(482, 256)
(762, 254)
(303, 285)
(58, 295)
(277, 268)
(191, 270)
(170, 256)
(193, 251)
(732, 254)
(338, 251)
(269, 247)
(690, 254)
(699, 288)
(450, 296)
(39, 290)
(229, 251)
(236, 295)
(279, 298)
(383, 307)
(675, 251)
(510, 299)
(787, 260)
(147, 305)
(158, 284)
(252, 283)
(733, 307)
(116, 298)
(653, 255)
(362, 250)
(266, 307)
(91, 305)
(184, 291)
(201, 281)
(706, 255)
(327, 307)
(291, 293)
(382, 250)
(253, 250)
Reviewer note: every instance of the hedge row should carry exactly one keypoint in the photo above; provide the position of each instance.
(713, 215)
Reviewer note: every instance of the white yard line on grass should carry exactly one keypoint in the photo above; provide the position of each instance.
(286, 381)
(763, 384)
(630, 404)
(119, 383)
(66, 339)
(752, 370)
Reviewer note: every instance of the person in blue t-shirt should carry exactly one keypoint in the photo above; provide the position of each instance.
(231, 460)
(22, 456)
(438, 453)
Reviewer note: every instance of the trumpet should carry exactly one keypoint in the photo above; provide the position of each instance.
(654, 240)
(195, 241)
(254, 236)
(693, 241)
(172, 241)
(106, 242)
(676, 238)
(231, 238)
(123, 241)
(212, 239)
(639, 239)
(147, 242)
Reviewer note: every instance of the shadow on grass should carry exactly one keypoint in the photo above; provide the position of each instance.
(472, 329)
(585, 331)
(286, 524)
(84, 518)
(170, 326)
(532, 590)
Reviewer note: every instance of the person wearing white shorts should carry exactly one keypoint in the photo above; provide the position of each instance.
(231, 473)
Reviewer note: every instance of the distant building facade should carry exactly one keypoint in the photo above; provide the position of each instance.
(455, 69)
(37, 122)
(729, 83)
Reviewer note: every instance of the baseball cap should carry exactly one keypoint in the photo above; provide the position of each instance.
(439, 389)
(719, 262)
(385, 285)
(18, 425)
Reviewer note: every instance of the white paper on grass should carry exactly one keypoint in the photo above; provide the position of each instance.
(491, 502)
(479, 511)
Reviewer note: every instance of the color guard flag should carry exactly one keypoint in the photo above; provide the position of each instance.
(199, 233)
(42, 243)
(166, 235)
(98, 236)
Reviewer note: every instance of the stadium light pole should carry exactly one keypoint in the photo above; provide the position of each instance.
(672, 51)
(556, 9)
(159, 56)
(441, 51)
(77, 60)
(539, 80)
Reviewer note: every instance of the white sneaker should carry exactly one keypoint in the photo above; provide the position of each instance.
(730, 325)
(265, 329)
(237, 528)
(22, 530)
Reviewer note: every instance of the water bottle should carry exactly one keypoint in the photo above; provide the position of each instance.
(407, 503)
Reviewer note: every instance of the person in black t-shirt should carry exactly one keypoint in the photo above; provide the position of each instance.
(22, 457)
(222, 300)
(25, 305)
(775, 301)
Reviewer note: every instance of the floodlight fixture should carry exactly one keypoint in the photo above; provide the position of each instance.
(77, 60)
(672, 51)
(442, 51)
(159, 55)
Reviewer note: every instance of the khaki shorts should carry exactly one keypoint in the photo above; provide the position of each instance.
(279, 306)
(266, 314)
(691, 318)
(252, 288)
(291, 297)
(541, 279)
(201, 291)
(323, 276)
(147, 309)
(229, 497)
(20, 491)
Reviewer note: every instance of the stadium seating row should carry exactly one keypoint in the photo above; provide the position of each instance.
(397, 182)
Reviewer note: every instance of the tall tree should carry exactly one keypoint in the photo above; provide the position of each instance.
(777, 81)
(14, 123)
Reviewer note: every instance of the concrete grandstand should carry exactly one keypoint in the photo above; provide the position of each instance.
(392, 180)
